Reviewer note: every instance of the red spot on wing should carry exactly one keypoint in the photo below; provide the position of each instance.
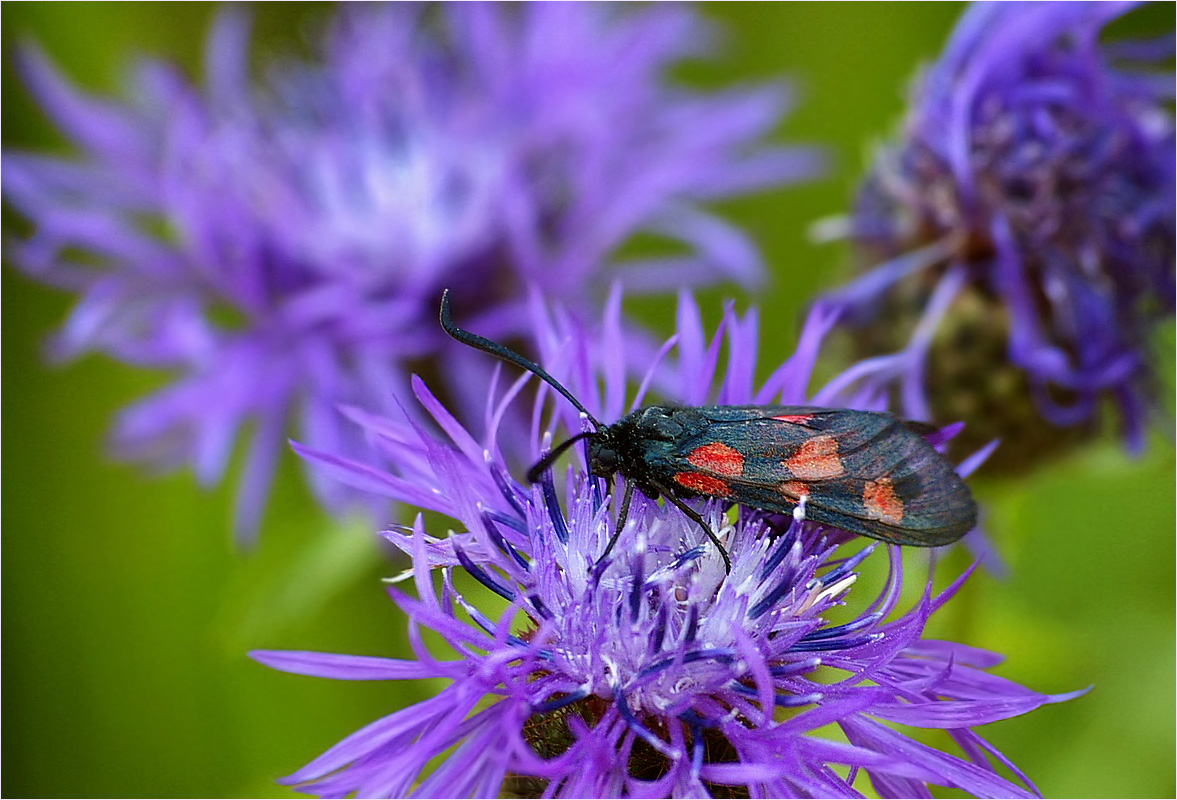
(794, 418)
(703, 484)
(718, 458)
(881, 502)
(794, 490)
(816, 460)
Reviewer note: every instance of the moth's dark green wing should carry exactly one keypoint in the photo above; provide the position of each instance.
(868, 473)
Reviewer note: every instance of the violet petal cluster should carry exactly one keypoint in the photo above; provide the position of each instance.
(279, 245)
(652, 672)
(1038, 157)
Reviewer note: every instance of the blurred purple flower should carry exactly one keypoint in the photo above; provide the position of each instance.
(652, 674)
(1040, 160)
(281, 248)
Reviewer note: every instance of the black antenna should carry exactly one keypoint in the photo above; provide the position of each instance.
(541, 466)
(496, 349)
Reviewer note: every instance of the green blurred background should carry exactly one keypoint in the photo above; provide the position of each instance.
(128, 611)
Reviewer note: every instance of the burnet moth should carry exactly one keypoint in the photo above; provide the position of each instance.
(865, 472)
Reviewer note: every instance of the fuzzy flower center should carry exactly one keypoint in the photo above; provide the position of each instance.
(656, 647)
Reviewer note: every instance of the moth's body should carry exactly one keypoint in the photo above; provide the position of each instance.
(866, 472)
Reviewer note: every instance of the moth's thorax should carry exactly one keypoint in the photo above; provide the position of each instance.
(656, 423)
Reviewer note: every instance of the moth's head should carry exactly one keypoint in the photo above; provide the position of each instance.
(604, 459)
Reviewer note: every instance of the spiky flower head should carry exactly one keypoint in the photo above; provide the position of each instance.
(1038, 160)
(280, 246)
(652, 672)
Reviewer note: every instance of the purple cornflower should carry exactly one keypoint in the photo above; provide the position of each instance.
(281, 248)
(1038, 160)
(651, 673)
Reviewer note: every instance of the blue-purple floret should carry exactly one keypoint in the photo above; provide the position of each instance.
(280, 245)
(1040, 157)
(626, 677)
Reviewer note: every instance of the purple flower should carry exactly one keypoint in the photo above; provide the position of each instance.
(281, 248)
(651, 673)
(1038, 159)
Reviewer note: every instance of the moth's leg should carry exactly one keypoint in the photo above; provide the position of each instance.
(622, 516)
(693, 514)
